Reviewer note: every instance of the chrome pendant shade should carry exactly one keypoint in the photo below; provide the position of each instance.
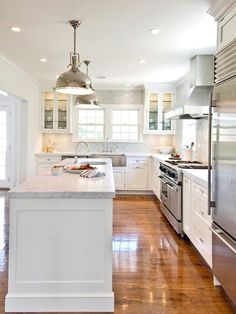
(74, 81)
(87, 99)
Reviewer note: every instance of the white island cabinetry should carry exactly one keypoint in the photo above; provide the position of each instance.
(60, 254)
(196, 221)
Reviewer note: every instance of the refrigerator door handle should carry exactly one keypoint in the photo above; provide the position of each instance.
(210, 202)
(217, 232)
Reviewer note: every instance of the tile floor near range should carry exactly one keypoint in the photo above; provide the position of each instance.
(154, 271)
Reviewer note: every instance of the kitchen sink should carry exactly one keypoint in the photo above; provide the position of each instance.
(118, 160)
(95, 162)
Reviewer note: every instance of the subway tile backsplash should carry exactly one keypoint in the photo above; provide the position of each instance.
(63, 143)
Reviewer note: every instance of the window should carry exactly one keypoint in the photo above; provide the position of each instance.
(89, 124)
(125, 125)
(118, 123)
(189, 134)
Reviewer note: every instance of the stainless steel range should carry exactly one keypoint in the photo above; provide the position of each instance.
(171, 189)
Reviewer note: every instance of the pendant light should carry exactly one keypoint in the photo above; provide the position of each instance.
(74, 82)
(87, 99)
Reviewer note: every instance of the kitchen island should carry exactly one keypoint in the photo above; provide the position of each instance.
(60, 254)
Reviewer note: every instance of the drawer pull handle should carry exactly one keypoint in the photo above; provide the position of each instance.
(217, 232)
(201, 240)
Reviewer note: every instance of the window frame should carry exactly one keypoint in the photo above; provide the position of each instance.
(108, 123)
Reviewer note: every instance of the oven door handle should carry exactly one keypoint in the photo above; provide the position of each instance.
(163, 180)
(218, 233)
(172, 188)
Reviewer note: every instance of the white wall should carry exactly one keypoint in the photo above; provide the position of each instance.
(15, 81)
(201, 136)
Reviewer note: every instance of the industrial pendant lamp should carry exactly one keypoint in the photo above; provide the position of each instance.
(87, 99)
(74, 82)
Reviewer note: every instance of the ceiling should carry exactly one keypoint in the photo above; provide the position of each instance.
(114, 35)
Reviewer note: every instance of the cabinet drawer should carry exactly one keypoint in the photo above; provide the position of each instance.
(137, 161)
(202, 238)
(200, 206)
(49, 159)
(200, 191)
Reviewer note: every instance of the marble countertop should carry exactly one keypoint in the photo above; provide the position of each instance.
(198, 175)
(68, 185)
(159, 156)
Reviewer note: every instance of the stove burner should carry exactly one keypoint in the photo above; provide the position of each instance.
(193, 167)
(177, 162)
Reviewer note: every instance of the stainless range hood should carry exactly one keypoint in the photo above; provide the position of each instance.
(201, 83)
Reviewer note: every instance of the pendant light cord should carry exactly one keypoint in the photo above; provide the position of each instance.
(74, 40)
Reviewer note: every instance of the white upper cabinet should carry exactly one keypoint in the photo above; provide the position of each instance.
(55, 112)
(157, 103)
(226, 29)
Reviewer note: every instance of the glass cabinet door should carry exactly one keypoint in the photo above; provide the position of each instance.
(166, 106)
(153, 111)
(62, 112)
(48, 115)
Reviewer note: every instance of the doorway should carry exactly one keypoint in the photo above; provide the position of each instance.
(5, 147)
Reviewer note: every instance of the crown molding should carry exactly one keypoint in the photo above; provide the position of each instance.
(220, 7)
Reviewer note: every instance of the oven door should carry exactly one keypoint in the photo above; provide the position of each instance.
(165, 191)
(174, 195)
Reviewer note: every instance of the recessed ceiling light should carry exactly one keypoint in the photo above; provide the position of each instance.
(43, 60)
(142, 61)
(101, 77)
(128, 85)
(154, 31)
(3, 93)
(15, 29)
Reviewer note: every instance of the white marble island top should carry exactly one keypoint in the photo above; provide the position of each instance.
(68, 185)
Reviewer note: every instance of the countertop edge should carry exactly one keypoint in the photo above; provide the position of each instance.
(197, 175)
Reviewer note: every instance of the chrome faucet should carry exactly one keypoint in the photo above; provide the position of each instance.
(76, 149)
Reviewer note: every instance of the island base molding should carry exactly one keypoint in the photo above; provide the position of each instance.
(60, 303)
(60, 255)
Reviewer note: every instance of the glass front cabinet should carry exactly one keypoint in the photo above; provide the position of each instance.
(157, 103)
(55, 112)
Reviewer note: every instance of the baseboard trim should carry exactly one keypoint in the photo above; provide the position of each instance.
(125, 192)
(60, 303)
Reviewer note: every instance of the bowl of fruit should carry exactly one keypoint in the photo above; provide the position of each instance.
(56, 170)
(78, 168)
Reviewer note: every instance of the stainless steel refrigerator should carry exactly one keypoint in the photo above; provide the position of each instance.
(222, 194)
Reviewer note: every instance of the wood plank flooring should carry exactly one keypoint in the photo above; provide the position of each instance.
(154, 271)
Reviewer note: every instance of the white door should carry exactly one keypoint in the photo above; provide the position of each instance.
(4, 147)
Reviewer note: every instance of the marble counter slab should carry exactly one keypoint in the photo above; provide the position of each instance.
(136, 154)
(68, 185)
(198, 175)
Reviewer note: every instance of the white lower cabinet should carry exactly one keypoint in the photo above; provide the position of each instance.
(135, 177)
(137, 173)
(156, 179)
(196, 221)
(187, 206)
(119, 178)
(44, 163)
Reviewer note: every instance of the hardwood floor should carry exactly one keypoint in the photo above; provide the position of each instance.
(154, 271)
